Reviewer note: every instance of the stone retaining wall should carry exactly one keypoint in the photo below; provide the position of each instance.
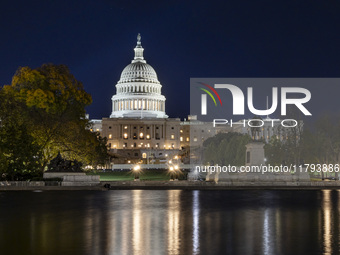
(60, 174)
(221, 185)
(22, 183)
(84, 180)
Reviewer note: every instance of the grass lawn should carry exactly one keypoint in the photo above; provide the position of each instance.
(146, 175)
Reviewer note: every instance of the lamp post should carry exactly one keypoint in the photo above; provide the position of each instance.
(136, 172)
(174, 171)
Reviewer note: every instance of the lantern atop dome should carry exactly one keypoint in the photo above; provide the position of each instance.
(138, 51)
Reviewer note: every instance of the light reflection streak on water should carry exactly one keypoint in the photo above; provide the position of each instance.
(174, 208)
(278, 230)
(266, 233)
(327, 217)
(137, 221)
(196, 227)
(120, 238)
(89, 228)
(125, 233)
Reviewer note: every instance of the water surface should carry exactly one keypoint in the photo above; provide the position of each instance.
(169, 222)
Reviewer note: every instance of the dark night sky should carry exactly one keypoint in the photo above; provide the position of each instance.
(182, 39)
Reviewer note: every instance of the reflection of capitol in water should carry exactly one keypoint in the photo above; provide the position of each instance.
(172, 222)
(146, 228)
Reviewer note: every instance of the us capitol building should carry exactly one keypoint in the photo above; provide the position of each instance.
(139, 128)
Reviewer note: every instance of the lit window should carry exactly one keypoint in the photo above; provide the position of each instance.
(195, 139)
(147, 136)
(110, 136)
(144, 155)
(172, 137)
(188, 139)
(91, 129)
(97, 129)
(181, 139)
(181, 131)
(141, 135)
(125, 135)
(125, 127)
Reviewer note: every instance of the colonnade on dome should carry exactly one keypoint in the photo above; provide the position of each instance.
(138, 104)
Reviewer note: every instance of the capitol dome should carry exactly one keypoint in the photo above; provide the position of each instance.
(138, 91)
(138, 72)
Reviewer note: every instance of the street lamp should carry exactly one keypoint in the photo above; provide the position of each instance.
(136, 172)
(172, 173)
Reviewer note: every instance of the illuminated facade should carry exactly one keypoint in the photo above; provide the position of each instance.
(138, 127)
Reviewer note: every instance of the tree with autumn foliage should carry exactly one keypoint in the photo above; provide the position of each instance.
(47, 105)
